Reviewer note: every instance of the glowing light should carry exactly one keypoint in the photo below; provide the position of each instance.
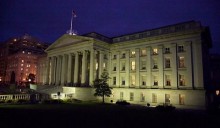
(217, 92)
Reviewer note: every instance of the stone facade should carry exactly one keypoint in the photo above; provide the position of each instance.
(164, 65)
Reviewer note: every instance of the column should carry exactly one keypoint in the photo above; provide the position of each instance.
(91, 68)
(174, 77)
(149, 67)
(69, 68)
(137, 68)
(100, 63)
(84, 65)
(188, 61)
(160, 67)
(52, 70)
(110, 68)
(63, 72)
(127, 68)
(76, 68)
(48, 70)
(118, 69)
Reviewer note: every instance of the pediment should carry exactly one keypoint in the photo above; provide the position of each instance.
(67, 40)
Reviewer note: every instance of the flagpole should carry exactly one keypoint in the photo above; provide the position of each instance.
(71, 25)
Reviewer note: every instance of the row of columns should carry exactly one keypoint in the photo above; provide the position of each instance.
(77, 68)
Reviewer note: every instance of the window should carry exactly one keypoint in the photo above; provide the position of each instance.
(22, 61)
(155, 81)
(181, 80)
(121, 95)
(180, 48)
(133, 80)
(131, 96)
(154, 98)
(114, 81)
(142, 97)
(132, 53)
(143, 52)
(123, 66)
(132, 65)
(155, 51)
(22, 65)
(181, 99)
(155, 64)
(96, 66)
(22, 69)
(168, 82)
(167, 98)
(122, 81)
(104, 66)
(105, 56)
(181, 62)
(167, 50)
(23, 51)
(114, 56)
(114, 67)
(123, 55)
(167, 62)
(143, 80)
(143, 65)
(29, 52)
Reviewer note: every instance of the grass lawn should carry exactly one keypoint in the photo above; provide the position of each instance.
(93, 115)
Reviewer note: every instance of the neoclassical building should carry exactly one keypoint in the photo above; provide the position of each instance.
(163, 65)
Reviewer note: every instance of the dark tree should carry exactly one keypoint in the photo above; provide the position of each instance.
(31, 78)
(102, 87)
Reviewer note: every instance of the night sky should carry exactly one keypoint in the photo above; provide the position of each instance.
(47, 20)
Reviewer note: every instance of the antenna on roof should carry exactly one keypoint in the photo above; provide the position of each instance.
(71, 31)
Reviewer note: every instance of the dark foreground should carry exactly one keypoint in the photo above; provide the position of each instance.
(102, 116)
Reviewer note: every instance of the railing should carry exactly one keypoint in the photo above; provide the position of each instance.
(17, 97)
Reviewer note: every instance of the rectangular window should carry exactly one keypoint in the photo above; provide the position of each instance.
(155, 51)
(132, 53)
(131, 96)
(181, 80)
(123, 66)
(180, 48)
(181, 62)
(142, 97)
(133, 80)
(168, 82)
(154, 98)
(167, 98)
(123, 55)
(122, 81)
(132, 65)
(114, 67)
(155, 64)
(121, 95)
(114, 56)
(167, 62)
(114, 81)
(143, 52)
(181, 99)
(167, 50)
(143, 65)
(155, 81)
(143, 80)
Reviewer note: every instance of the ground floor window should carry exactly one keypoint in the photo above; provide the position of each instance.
(121, 95)
(131, 96)
(142, 97)
(154, 98)
(181, 99)
(167, 98)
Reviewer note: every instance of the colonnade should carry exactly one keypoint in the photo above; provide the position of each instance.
(78, 68)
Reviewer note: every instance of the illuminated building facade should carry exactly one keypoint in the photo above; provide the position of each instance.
(19, 58)
(163, 65)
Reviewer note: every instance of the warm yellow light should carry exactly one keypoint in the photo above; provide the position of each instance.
(217, 92)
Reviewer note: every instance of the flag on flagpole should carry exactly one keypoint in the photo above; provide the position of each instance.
(74, 14)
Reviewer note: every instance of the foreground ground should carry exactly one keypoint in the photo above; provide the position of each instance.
(82, 115)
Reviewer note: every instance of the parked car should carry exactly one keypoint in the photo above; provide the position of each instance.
(122, 102)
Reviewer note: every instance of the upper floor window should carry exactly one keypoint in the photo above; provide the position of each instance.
(123, 55)
(155, 81)
(167, 50)
(132, 65)
(123, 66)
(114, 66)
(132, 80)
(155, 64)
(167, 62)
(114, 56)
(143, 80)
(155, 51)
(181, 80)
(105, 56)
(122, 81)
(114, 81)
(143, 65)
(132, 53)
(181, 62)
(168, 82)
(143, 52)
(180, 48)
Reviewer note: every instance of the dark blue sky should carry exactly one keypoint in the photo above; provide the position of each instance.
(47, 20)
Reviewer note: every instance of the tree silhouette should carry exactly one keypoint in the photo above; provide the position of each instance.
(102, 87)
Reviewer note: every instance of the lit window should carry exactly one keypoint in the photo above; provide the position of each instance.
(181, 80)
(133, 80)
(181, 99)
(132, 53)
(22, 69)
(29, 52)
(132, 65)
(168, 83)
(23, 51)
(167, 98)
(104, 65)
(96, 66)
(22, 65)
(143, 52)
(155, 51)
(181, 62)
(217, 92)
(22, 61)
